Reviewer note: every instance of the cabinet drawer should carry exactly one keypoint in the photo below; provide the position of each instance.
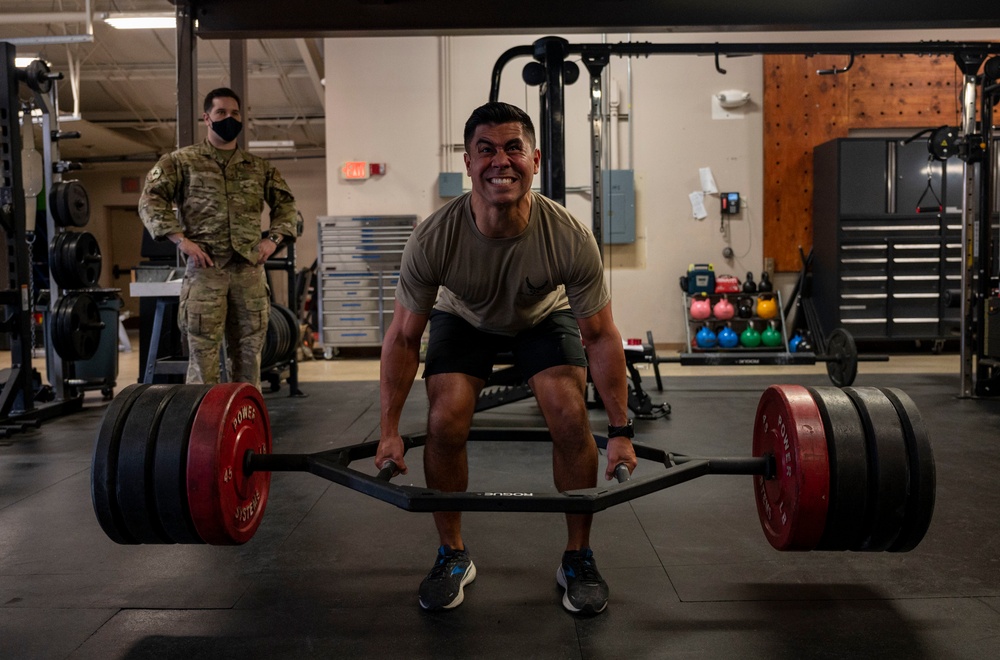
(357, 281)
(853, 229)
(340, 319)
(341, 305)
(919, 305)
(863, 328)
(340, 336)
(916, 284)
(915, 327)
(862, 307)
(864, 284)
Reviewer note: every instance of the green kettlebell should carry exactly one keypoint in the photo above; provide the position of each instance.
(750, 338)
(771, 337)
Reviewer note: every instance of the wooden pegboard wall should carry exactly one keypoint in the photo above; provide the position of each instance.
(803, 109)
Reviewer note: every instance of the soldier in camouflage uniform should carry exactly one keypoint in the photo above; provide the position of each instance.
(219, 192)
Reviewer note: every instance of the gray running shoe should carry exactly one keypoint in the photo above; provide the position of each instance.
(443, 588)
(586, 591)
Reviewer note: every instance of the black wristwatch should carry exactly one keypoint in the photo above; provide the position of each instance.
(275, 238)
(627, 431)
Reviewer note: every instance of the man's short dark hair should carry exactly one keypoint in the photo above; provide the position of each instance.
(221, 93)
(498, 113)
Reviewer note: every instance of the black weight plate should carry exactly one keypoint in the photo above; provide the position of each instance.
(272, 338)
(845, 437)
(104, 465)
(60, 329)
(37, 77)
(57, 261)
(78, 327)
(170, 463)
(281, 335)
(70, 204)
(841, 358)
(923, 474)
(293, 334)
(888, 469)
(135, 465)
(86, 260)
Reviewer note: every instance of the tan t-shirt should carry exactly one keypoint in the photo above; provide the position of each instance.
(502, 285)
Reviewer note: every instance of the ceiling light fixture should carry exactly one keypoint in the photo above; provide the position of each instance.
(140, 20)
(272, 145)
(21, 61)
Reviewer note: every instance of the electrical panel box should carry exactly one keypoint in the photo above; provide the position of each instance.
(619, 206)
(449, 184)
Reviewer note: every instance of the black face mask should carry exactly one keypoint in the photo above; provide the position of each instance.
(227, 128)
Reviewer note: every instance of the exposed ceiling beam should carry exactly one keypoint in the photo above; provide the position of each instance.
(300, 18)
(313, 59)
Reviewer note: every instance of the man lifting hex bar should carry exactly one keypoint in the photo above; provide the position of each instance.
(516, 273)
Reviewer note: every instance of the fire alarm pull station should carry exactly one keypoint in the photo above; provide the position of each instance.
(730, 203)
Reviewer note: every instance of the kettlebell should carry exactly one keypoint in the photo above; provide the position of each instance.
(728, 337)
(701, 307)
(765, 285)
(767, 307)
(771, 337)
(750, 337)
(745, 308)
(793, 343)
(748, 284)
(706, 338)
(724, 309)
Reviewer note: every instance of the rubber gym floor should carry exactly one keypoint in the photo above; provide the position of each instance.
(333, 573)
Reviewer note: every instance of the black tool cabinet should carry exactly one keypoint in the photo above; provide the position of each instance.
(881, 266)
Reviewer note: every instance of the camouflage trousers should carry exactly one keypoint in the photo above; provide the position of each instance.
(230, 303)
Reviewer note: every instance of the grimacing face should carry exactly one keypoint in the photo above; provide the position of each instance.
(502, 163)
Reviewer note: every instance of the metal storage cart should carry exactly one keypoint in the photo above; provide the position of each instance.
(359, 258)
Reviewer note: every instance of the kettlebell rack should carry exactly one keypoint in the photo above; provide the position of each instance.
(838, 350)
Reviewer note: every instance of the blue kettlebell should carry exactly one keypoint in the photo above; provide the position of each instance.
(706, 338)
(793, 343)
(728, 337)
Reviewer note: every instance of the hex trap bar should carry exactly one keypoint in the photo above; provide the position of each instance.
(334, 465)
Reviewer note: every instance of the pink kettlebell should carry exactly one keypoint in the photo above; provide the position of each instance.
(724, 309)
(701, 308)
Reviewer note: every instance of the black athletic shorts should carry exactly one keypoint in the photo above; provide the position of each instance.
(455, 346)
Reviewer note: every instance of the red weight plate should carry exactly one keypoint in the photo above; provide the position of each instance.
(792, 506)
(227, 504)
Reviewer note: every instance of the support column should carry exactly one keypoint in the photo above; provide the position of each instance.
(238, 81)
(187, 77)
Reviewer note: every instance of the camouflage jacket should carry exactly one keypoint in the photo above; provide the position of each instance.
(219, 209)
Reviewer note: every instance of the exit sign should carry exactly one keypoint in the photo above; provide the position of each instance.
(354, 170)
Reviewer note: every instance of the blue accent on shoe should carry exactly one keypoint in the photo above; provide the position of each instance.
(586, 591)
(443, 588)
